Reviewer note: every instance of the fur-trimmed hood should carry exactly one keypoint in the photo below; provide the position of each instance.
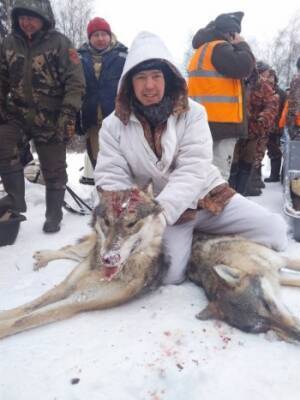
(147, 46)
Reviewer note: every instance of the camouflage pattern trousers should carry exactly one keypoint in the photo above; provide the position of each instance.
(52, 154)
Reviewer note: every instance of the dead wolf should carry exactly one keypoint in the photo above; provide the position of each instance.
(123, 257)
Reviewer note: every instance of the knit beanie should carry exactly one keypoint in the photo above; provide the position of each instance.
(98, 24)
(262, 66)
(152, 63)
(230, 22)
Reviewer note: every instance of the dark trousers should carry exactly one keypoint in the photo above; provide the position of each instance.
(52, 154)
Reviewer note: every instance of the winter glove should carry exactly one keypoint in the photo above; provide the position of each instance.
(66, 124)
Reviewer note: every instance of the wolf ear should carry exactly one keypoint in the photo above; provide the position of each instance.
(211, 311)
(229, 274)
(149, 190)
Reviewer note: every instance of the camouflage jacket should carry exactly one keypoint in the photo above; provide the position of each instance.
(43, 77)
(263, 106)
(294, 100)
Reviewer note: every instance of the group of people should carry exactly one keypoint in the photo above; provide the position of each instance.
(154, 125)
(244, 103)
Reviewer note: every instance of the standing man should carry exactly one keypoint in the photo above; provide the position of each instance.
(216, 71)
(274, 145)
(263, 104)
(42, 72)
(293, 114)
(103, 58)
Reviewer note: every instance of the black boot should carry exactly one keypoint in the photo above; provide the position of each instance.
(242, 177)
(252, 190)
(252, 187)
(275, 170)
(256, 178)
(234, 170)
(54, 202)
(14, 186)
(245, 186)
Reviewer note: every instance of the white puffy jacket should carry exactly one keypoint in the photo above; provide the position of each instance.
(185, 172)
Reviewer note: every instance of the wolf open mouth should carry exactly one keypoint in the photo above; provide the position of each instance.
(110, 271)
(111, 265)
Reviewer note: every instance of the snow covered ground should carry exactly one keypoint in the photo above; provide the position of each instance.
(150, 349)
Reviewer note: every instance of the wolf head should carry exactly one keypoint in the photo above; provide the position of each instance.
(126, 222)
(250, 302)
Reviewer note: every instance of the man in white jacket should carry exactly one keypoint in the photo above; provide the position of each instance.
(158, 135)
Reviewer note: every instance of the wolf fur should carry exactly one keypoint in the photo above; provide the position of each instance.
(122, 257)
(117, 261)
(242, 281)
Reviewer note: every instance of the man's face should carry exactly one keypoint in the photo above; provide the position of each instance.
(30, 25)
(149, 86)
(100, 40)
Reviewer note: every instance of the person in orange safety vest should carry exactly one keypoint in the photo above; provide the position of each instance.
(222, 59)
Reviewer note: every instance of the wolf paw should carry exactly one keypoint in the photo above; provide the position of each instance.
(41, 259)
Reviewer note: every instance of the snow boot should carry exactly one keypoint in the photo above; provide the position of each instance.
(242, 177)
(256, 178)
(252, 190)
(14, 185)
(54, 203)
(275, 170)
(252, 187)
(234, 170)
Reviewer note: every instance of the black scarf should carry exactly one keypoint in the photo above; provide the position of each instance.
(155, 114)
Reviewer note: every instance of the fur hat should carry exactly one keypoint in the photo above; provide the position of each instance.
(230, 22)
(98, 24)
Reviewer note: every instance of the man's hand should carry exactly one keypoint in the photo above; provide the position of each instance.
(237, 39)
(66, 124)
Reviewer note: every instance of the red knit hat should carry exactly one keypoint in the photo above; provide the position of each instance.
(98, 24)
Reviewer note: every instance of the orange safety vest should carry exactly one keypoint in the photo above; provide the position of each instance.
(221, 96)
(282, 121)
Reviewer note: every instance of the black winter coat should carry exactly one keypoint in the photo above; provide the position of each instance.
(101, 92)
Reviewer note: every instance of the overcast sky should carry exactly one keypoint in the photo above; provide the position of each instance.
(176, 21)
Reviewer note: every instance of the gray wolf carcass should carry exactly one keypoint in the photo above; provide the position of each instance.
(122, 257)
(242, 281)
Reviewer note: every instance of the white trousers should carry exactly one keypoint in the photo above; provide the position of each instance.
(240, 216)
(223, 154)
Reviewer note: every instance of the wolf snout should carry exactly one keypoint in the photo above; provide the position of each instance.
(111, 259)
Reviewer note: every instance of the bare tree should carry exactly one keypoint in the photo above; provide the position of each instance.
(71, 18)
(5, 8)
(188, 52)
(286, 50)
